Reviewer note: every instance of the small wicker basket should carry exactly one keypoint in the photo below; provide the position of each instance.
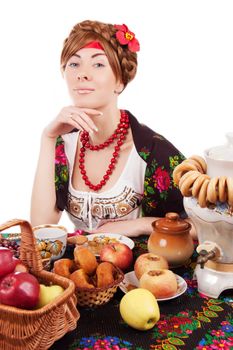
(37, 329)
(98, 296)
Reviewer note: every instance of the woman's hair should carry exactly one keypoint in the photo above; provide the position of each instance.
(122, 61)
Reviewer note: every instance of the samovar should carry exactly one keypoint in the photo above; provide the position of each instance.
(207, 187)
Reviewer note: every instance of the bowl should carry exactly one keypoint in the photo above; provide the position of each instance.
(51, 241)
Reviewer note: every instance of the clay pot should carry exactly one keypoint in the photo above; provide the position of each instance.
(171, 238)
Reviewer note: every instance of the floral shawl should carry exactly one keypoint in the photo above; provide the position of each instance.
(161, 195)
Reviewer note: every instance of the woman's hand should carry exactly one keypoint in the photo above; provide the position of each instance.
(133, 228)
(129, 228)
(69, 118)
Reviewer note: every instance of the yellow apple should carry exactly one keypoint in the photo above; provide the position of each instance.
(139, 309)
(48, 294)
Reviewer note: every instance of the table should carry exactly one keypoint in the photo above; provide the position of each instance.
(191, 321)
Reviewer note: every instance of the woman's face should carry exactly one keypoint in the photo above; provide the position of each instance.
(90, 79)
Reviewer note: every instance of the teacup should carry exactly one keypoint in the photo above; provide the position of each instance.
(51, 241)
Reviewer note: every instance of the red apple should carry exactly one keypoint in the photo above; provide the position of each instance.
(149, 261)
(7, 263)
(162, 283)
(117, 253)
(19, 289)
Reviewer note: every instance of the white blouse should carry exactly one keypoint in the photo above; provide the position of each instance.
(89, 210)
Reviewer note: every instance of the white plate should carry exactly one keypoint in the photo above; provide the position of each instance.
(130, 278)
(123, 239)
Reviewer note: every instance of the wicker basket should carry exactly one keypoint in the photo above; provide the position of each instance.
(99, 296)
(37, 329)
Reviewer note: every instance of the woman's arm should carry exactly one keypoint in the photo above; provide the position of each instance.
(43, 201)
(134, 228)
(130, 228)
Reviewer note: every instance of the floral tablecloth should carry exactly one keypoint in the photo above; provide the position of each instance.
(191, 321)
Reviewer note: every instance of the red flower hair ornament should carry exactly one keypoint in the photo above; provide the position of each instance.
(126, 37)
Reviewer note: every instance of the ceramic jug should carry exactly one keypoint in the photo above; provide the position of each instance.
(171, 238)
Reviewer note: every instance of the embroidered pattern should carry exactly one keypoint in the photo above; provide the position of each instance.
(221, 338)
(158, 180)
(104, 208)
(75, 206)
(179, 327)
(61, 167)
(103, 343)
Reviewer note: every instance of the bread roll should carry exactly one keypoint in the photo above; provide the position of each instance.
(105, 274)
(81, 279)
(85, 260)
(63, 267)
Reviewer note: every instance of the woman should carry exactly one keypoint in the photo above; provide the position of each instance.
(112, 174)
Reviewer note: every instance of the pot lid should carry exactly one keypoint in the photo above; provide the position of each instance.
(171, 224)
(223, 152)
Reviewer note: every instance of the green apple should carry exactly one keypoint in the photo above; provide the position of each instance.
(48, 294)
(139, 309)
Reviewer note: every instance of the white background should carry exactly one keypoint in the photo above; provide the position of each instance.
(183, 88)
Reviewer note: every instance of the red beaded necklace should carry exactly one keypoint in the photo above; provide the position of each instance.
(119, 135)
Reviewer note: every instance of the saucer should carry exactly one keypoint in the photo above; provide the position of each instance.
(131, 279)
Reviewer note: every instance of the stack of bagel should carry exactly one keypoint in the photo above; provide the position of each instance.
(191, 178)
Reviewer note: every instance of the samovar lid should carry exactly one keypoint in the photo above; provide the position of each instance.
(223, 152)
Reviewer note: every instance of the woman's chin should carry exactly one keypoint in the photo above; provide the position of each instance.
(82, 104)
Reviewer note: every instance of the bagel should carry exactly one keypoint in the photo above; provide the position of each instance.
(186, 176)
(222, 189)
(212, 194)
(230, 190)
(202, 194)
(198, 183)
(201, 162)
(180, 169)
(186, 186)
(195, 163)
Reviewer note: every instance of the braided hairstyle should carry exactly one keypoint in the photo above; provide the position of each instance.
(122, 61)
